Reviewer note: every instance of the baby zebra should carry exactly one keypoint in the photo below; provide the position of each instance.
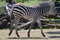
(35, 13)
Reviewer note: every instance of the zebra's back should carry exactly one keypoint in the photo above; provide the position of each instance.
(27, 11)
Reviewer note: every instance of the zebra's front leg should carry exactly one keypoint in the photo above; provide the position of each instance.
(30, 29)
(11, 29)
(39, 24)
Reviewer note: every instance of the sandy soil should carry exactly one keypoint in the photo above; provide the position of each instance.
(51, 34)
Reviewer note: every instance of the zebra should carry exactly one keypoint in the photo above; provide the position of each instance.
(36, 13)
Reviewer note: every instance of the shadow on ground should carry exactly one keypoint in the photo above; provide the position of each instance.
(55, 32)
(26, 38)
(54, 37)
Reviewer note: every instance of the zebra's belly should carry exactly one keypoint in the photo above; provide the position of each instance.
(28, 16)
(31, 16)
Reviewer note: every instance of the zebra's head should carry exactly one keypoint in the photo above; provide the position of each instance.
(52, 9)
(50, 2)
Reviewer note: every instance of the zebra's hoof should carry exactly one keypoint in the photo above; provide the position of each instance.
(43, 35)
(28, 36)
(10, 33)
(18, 36)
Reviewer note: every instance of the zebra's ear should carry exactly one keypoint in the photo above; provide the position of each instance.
(51, 2)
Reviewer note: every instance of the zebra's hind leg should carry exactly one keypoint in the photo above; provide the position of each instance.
(11, 29)
(17, 33)
(16, 24)
(30, 29)
(39, 24)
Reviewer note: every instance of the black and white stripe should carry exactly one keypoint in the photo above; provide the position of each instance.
(31, 12)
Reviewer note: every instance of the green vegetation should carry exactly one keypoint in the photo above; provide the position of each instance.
(22, 1)
(27, 2)
(2, 3)
(33, 2)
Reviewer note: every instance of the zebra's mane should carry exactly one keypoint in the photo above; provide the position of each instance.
(49, 2)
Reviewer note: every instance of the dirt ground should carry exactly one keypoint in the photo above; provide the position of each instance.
(51, 34)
